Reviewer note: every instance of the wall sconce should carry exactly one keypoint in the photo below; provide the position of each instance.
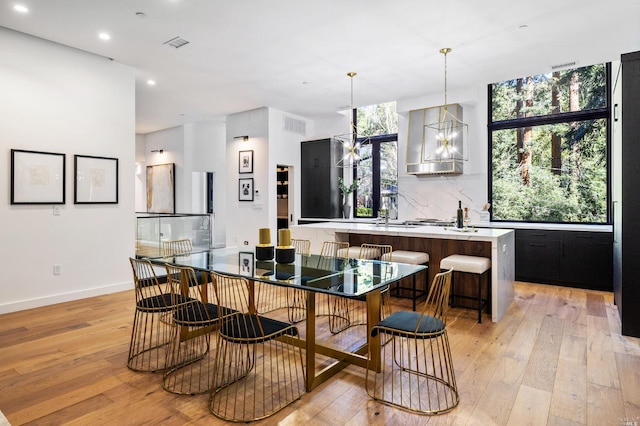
(244, 137)
(159, 151)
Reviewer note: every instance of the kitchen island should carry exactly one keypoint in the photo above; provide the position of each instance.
(438, 241)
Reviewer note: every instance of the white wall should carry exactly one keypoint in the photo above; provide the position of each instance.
(194, 147)
(284, 149)
(246, 217)
(205, 151)
(171, 141)
(58, 99)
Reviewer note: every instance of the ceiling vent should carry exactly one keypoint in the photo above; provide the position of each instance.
(564, 66)
(176, 42)
(294, 125)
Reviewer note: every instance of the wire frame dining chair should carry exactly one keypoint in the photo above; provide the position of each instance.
(330, 252)
(297, 299)
(345, 312)
(416, 369)
(190, 357)
(152, 325)
(177, 247)
(259, 367)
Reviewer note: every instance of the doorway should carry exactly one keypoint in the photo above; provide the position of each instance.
(282, 194)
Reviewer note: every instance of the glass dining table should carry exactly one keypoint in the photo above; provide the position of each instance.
(359, 279)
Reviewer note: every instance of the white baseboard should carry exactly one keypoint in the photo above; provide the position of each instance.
(63, 297)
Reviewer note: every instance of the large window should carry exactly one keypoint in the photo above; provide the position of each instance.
(377, 130)
(548, 147)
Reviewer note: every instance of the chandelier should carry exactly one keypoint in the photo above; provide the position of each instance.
(445, 137)
(348, 141)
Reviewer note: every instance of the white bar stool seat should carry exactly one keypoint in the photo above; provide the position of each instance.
(475, 265)
(350, 252)
(404, 256)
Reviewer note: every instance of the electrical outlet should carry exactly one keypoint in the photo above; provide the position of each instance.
(57, 269)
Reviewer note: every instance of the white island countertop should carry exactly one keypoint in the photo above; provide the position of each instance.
(424, 231)
(502, 248)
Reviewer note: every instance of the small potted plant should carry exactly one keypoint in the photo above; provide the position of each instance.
(346, 191)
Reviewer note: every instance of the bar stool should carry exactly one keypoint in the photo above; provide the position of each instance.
(412, 258)
(474, 265)
(348, 252)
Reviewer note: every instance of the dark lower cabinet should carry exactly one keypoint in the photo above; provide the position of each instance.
(537, 256)
(570, 258)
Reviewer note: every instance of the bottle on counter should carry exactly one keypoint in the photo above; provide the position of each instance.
(459, 216)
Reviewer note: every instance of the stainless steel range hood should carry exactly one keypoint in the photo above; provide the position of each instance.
(422, 157)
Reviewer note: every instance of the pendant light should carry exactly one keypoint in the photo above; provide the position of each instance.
(445, 138)
(348, 141)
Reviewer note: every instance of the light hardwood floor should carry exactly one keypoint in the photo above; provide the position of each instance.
(556, 358)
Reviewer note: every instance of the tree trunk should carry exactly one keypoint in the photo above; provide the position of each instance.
(556, 140)
(518, 114)
(574, 105)
(527, 136)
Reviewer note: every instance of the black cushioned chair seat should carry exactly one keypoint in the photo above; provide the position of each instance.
(247, 326)
(160, 303)
(405, 322)
(196, 313)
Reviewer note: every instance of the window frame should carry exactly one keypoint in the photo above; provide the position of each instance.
(374, 142)
(554, 118)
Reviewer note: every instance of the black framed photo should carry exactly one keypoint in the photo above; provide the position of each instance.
(245, 189)
(245, 161)
(245, 263)
(96, 180)
(37, 177)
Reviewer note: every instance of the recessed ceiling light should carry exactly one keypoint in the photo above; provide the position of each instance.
(104, 36)
(151, 82)
(20, 8)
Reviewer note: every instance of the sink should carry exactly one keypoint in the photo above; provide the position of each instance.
(397, 225)
(432, 222)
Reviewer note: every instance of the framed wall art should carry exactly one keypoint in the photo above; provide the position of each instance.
(161, 190)
(245, 189)
(245, 164)
(37, 177)
(245, 261)
(95, 179)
